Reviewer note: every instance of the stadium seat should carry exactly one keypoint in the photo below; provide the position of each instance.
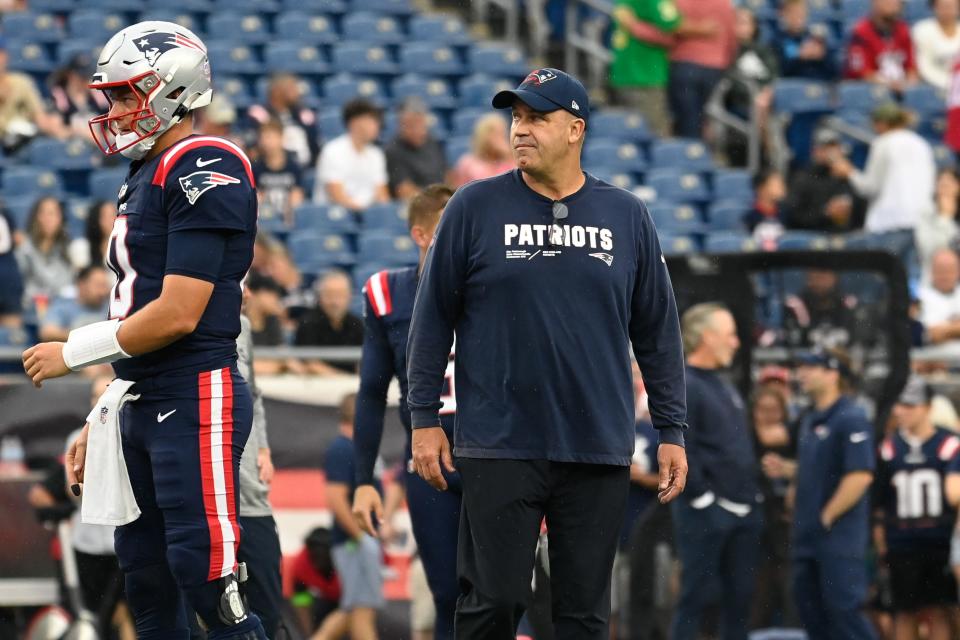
(727, 216)
(679, 219)
(729, 242)
(72, 155)
(389, 217)
(70, 48)
(686, 155)
(273, 223)
(916, 10)
(394, 7)
(478, 90)
(363, 271)
(860, 96)
(853, 10)
(332, 7)
(325, 218)
(330, 122)
(803, 241)
(676, 186)
(29, 57)
(91, 24)
(430, 58)
(313, 252)
(463, 120)
(446, 29)
(673, 244)
(801, 96)
(241, 28)
(622, 125)
(611, 175)
(455, 148)
(52, 6)
(343, 87)
(19, 207)
(233, 58)
(191, 6)
(293, 57)
(296, 26)
(622, 156)
(246, 6)
(36, 181)
(434, 91)
(361, 57)
(119, 6)
(925, 100)
(234, 88)
(498, 60)
(12, 337)
(393, 249)
(182, 18)
(361, 26)
(105, 183)
(33, 27)
(733, 184)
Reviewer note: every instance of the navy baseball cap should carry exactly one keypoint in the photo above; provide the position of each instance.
(823, 358)
(916, 392)
(548, 90)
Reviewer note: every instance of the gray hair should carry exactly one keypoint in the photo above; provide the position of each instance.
(695, 321)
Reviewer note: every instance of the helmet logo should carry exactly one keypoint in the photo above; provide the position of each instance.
(154, 45)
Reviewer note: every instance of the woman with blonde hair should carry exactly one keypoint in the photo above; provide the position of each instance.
(489, 152)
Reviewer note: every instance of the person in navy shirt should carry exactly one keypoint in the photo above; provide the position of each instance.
(546, 274)
(803, 50)
(717, 522)
(835, 463)
(913, 464)
(182, 242)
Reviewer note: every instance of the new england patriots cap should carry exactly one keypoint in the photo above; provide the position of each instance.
(915, 392)
(548, 90)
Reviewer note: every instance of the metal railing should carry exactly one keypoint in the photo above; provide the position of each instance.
(585, 38)
(749, 127)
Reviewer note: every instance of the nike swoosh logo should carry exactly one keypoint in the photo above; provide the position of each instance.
(858, 437)
(202, 163)
(163, 416)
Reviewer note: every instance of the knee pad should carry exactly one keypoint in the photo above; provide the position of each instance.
(222, 609)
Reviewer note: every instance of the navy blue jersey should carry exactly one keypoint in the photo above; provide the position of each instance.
(832, 443)
(339, 466)
(202, 185)
(909, 489)
(387, 307)
(544, 317)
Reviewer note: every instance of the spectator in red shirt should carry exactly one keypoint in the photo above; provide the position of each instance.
(881, 49)
(316, 589)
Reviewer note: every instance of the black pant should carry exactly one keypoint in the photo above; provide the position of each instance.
(503, 504)
(101, 586)
(260, 549)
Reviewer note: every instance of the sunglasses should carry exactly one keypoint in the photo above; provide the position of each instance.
(560, 212)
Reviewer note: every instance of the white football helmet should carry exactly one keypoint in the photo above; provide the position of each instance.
(166, 67)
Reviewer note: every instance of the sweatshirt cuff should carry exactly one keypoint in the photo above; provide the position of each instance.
(671, 435)
(423, 418)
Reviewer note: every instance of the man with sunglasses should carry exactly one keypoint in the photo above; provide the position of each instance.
(546, 275)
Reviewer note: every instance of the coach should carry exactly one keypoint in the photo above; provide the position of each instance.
(546, 275)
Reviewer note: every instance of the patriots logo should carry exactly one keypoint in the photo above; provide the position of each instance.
(154, 45)
(103, 415)
(539, 77)
(199, 182)
(606, 257)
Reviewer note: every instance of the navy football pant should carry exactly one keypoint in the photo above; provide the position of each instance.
(830, 592)
(182, 442)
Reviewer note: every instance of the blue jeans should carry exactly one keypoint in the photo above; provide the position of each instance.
(688, 90)
(715, 545)
(830, 590)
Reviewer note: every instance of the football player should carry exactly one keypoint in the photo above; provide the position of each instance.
(181, 243)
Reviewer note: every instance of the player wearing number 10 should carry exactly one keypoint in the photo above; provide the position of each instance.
(182, 242)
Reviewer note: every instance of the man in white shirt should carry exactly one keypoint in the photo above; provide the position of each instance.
(352, 170)
(940, 298)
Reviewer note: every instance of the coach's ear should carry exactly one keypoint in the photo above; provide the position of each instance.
(577, 130)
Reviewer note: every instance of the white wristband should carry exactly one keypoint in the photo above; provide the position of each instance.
(93, 344)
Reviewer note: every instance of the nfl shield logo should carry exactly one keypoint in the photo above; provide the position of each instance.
(103, 415)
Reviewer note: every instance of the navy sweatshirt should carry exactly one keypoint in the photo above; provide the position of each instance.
(720, 453)
(544, 324)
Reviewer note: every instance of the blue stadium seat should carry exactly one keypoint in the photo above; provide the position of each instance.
(389, 217)
(728, 242)
(343, 87)
(33, 27)
(925, 100)
(191, 6)
(272, 223)
(324, 218)
(394, 7)
(35, 181)
(822, 12)
(330, 122)
(686, 155)
(733, 184)
(297, 26)
(623, 125)
(393, 249)
(332, 7)
(105, 183)
(371, 27)
(29, 57)
(446, 29)
(802, 241)
(498, 60)
(313, 252)
(246, 6)
(119, 6)
(240, 28)
(679, 219)
(612, 175)
(676, 186)
(622, 156)
(673, 244)
(233, 58)
(455, 148)
(363, 271)
(182, 18)
(90, 24)
(727, 216)
(854, 10)
(234, 88)
(801, 96)
(916, 10)
(430, 58)
(293, 57)
(463, 120)
(72, 155)
(861, 95)
(478, 90)
(361, 57)
(944, 157)
(19, 208)
(434, 91)
(70, 48)
(53, 6)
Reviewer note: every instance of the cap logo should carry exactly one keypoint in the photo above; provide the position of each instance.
(539, 77)
(574, 105)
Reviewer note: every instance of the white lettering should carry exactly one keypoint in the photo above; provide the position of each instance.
(592, 233)
(578, 236)
(540, 229)
(510, 232)
(606, 239)
(526, 235)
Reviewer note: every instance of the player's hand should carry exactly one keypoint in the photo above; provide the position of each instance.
(43, 361)
(75, 460)
(672, 459)
(265, 464)
(366, 500)
(430, 449)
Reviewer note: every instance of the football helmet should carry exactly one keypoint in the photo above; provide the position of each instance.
(165, 65)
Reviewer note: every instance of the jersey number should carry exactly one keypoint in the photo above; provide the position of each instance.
(449, 396)
(918, 494)
(118, 259)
